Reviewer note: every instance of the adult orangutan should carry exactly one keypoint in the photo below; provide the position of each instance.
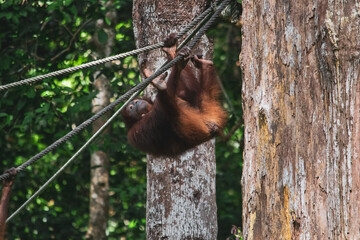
(186, 111)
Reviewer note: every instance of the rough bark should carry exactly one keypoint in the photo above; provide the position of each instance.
(99, 188)
(180, 191)
(301, 92)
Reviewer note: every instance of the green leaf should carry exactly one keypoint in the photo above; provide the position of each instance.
(102, 36)
(73, 10)
(54, 5)
(108, 22)
(68, 2)
(23, 13)
(30, 93)
(67, 17)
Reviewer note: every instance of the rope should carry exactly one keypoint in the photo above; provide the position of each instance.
(82, 66)
(105, 60)
(196, 21)
(111, 106)
(209, 23)
(203, 21)
(44, 186)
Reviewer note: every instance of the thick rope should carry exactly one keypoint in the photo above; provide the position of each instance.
(200, 25)
(196, 21)
(111, 106)
(44, 186)
(209, 23)
(82, 66)
(105, 60)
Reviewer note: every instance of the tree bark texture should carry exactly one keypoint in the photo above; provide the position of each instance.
(181, 202)
(301, 92)
(99, 188)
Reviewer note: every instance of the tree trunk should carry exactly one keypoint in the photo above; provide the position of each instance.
(301, 100)
(181, 202)
(99, 189)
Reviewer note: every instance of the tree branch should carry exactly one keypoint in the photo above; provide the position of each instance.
(71, 40)
(227, 137)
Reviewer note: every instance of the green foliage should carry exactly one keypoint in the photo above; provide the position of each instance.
(39, 37)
